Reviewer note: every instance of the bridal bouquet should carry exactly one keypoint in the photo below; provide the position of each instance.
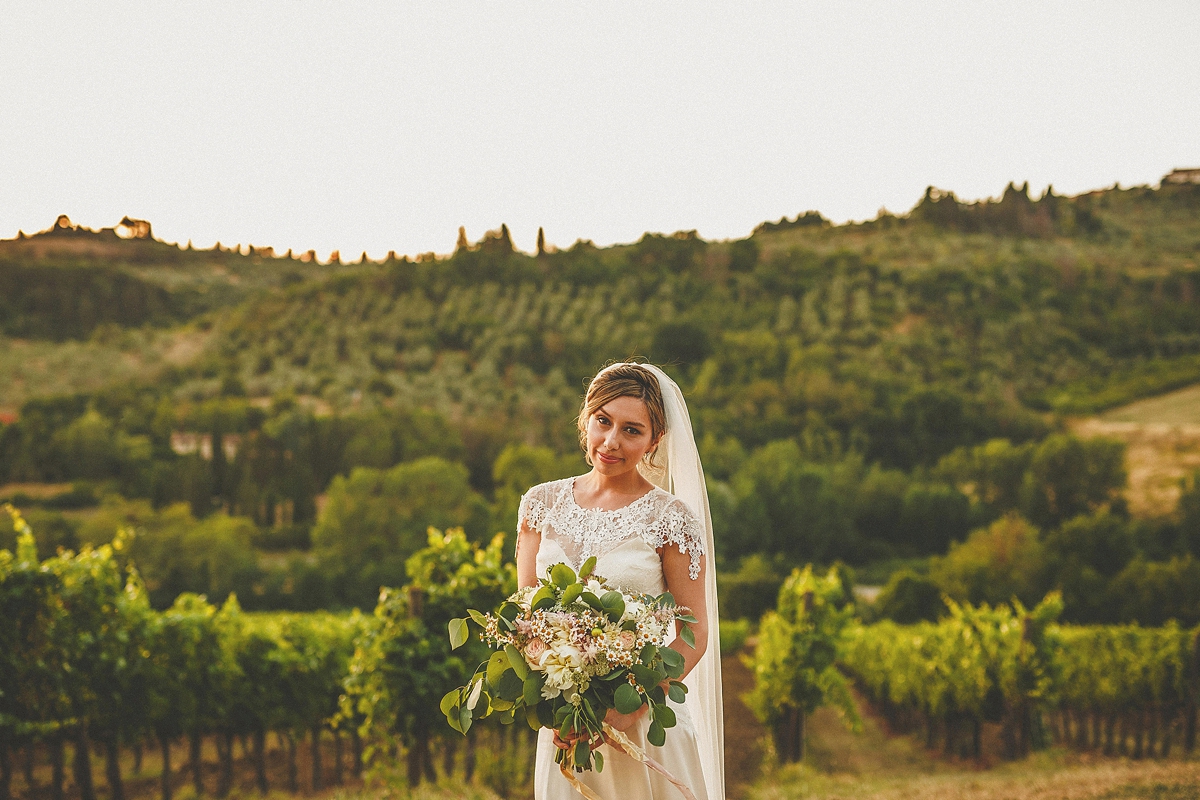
(568, 650)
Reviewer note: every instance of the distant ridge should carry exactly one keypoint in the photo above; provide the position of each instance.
(1015, 213)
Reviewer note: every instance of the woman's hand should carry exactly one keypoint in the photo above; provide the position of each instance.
(623, 722)
(614, 718)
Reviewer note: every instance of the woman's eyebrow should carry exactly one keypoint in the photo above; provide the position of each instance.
(630, 423)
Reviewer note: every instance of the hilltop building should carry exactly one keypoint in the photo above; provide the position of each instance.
(1189, 175)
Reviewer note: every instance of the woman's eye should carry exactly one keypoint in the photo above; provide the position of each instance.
(602, 420)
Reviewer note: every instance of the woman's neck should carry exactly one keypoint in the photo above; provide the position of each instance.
(597, 485)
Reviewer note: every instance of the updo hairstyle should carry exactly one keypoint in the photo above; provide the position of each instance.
(624, 380)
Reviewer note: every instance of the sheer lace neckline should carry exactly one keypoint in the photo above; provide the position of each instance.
(657, 517)
(641, 499)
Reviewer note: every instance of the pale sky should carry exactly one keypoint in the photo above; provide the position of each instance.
(385, 125)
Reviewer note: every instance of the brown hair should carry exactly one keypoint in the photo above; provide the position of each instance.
(624, 380)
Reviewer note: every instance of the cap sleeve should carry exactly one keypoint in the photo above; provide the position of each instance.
(677, 525)
(535, 505)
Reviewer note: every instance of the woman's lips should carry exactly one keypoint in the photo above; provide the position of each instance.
(607, 459)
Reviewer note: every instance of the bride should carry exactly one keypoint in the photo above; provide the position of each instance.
(643, 512)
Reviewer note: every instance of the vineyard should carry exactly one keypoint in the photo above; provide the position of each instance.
(87, 664)
(1120, 690)
(90, 667)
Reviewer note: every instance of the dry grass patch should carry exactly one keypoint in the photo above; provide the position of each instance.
(1181, 407)
(1159, 455)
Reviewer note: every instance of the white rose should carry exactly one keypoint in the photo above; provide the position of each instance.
(558, 676)
(569, 655)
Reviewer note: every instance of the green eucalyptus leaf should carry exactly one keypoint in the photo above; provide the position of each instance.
(671, 657)
(677, 692)
(543, 598)
(531, 718)
(656, 735)
(614, 605)
(646, 677)
(664, 715)
(497, 664)
(532, 689)
(598, 760)
(459, 633)
(688, 637)
(571, 593)
(562, 576)
(449, 702)
(585, 571)
(592, 600)
(516, 661)
(465, 719)
(510, 686)
(480, 619)
(583, 752)
(627, 699)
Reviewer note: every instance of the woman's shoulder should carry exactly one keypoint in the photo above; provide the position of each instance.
(537, 502)
(675, 523)
(668, 504)
(548, 491)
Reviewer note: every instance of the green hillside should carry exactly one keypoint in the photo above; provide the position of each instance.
(861, 392)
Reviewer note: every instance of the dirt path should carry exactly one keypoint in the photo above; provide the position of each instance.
(743, 733)
(836, 750)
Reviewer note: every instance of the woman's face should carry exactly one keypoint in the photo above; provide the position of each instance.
(618, 435)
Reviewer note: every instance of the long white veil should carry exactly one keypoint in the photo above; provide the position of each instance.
(683, 476)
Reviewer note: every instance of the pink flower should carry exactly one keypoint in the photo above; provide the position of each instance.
(627, 639)
(534, 649)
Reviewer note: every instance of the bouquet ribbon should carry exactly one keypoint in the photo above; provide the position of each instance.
(623, 743)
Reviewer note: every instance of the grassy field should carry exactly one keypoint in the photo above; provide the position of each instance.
(1181, 407)
(1163, 439)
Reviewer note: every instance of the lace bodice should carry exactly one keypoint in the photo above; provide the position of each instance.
(624, 540)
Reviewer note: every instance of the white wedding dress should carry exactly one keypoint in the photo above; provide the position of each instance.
(625, 542)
